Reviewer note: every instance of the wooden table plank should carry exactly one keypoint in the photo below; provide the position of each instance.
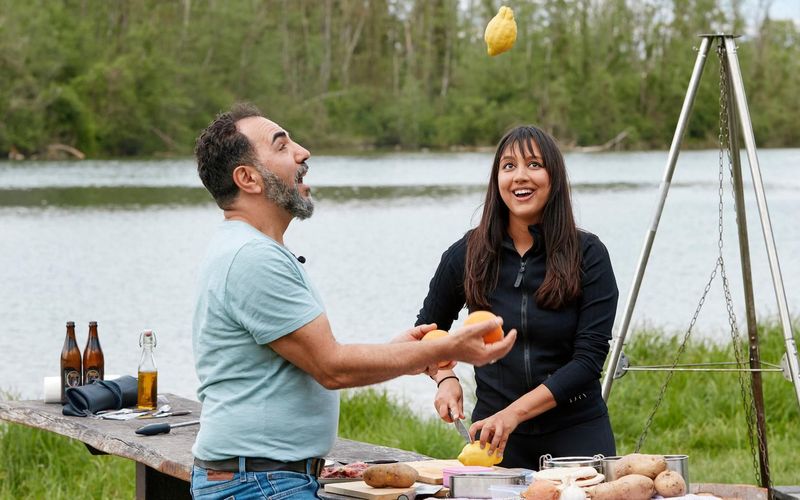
(168, 453)
(731, 491)
(348, 451)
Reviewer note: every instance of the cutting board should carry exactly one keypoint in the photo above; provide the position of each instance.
(360, 489)
(430, 471)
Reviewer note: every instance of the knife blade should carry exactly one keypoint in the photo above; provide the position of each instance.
(461, 428)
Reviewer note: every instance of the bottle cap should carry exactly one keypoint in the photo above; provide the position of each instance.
(149, 337)
(70, 323)
(93, 323)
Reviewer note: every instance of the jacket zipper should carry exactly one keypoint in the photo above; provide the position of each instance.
(524, 324)
(518, 281)
(527, 344)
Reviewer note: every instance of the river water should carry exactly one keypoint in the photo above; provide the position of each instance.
(120, 242)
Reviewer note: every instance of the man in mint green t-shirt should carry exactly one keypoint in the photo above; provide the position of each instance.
(265, 355)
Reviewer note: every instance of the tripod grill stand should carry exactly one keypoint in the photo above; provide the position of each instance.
(736, 103)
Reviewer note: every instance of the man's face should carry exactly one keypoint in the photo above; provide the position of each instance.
(282, 165)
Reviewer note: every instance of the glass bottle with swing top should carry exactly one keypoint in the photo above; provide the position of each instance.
(147, 395)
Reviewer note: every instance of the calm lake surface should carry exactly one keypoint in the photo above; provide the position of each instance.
(120, 242)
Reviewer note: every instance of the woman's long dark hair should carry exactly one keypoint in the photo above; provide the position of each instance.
(562, 278)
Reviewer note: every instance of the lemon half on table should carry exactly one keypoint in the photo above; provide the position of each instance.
(501, 32)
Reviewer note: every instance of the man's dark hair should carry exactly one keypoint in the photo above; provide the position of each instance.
(220, 149)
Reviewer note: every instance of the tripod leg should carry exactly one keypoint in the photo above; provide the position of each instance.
(766, 226)
(747, 281)
(683, 119)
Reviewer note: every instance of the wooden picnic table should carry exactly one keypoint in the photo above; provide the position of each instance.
(164, 461)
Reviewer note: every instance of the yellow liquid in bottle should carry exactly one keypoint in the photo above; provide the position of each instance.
(147, 397)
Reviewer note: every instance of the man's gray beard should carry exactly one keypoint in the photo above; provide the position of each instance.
(285, 196)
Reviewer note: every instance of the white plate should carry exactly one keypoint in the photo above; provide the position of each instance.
(591, 481)
(563, 473)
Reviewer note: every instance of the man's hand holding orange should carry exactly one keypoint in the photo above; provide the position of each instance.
(476, 317)
(438, 334)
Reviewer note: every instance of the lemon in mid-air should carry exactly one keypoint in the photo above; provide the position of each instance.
(501, 32)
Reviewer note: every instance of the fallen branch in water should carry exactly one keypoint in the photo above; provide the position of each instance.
(612, 144)
(54, 149)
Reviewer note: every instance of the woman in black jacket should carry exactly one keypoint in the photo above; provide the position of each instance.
(527, 262)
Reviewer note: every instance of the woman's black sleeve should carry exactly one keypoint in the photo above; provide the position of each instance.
(446, 291)
(597, 309)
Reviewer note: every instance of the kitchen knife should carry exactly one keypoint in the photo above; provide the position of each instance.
(461, 428)
(167, 414)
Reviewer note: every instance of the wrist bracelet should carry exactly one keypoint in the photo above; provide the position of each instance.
(447, 377)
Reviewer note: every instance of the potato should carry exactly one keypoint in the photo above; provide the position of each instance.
(541, 489)
(670, 484)
(637, 463)
(390, 475)
(630, 487)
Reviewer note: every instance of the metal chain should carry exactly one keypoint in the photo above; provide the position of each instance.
(684, 342)
(745, 381)
(747, 399)
(671, 372)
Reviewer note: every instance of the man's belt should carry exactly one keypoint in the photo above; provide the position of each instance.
(309, 465)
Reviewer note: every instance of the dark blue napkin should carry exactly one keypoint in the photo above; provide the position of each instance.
(101, 395)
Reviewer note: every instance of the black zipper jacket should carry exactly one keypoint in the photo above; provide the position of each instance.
(564, 349)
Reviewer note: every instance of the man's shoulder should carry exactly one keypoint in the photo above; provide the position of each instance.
(242, 241)
(258, 258)
(262, 248)
(238, 251)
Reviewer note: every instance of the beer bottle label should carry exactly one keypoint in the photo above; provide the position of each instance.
(72, 378)
(92, 374)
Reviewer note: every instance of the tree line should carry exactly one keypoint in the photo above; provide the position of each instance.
(117, 78)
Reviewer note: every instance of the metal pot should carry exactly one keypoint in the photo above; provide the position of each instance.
(477, 485)
(677, 463)
(548, 462)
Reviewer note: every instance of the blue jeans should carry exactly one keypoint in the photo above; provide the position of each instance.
(273, 485)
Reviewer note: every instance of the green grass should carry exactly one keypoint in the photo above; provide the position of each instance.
(702, 413)
(701, 416)
(374, 417)
(39, 464)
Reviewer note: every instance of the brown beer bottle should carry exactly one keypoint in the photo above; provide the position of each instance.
(93, 361)
(147, 395)
(70, 362)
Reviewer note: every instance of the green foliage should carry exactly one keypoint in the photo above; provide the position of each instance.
(142, 78)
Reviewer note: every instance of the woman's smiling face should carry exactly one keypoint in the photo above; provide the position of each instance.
(523, 182)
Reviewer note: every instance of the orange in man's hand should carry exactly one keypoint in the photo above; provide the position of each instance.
(480, 316)
(437, 334)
